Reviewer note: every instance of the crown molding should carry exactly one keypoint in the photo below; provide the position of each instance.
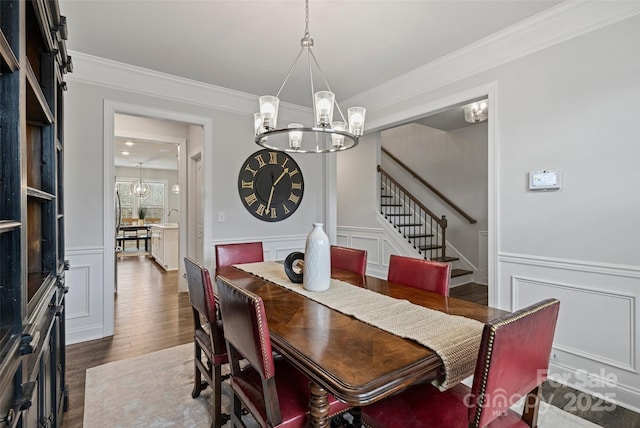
(555, 25)
(116, 75)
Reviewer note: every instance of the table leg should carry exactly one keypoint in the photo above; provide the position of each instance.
(318, 406)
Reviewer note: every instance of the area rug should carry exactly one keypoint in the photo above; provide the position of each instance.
(154, 390)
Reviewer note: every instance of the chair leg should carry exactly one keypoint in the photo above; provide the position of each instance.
(531, 406)
(219, 418)
(236, 416)
(356, 412)
(197, 381)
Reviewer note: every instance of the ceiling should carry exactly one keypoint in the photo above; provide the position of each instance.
(249, 46)
(130, 152)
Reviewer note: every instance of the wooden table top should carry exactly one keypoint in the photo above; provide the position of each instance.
(356, 362)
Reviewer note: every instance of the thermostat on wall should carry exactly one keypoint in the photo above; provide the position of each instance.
(544, 180)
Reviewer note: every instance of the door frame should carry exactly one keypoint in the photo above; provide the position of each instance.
(110, 109)
(491, 91)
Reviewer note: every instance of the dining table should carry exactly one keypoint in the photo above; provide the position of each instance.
(355, 361)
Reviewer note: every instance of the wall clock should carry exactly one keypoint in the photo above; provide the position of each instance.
(270, 185)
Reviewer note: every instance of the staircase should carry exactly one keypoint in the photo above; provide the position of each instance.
(415, 223)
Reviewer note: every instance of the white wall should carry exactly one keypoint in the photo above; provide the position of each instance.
(97, 84)
(565, 98)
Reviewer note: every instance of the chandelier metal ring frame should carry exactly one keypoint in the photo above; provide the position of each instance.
(326, 135)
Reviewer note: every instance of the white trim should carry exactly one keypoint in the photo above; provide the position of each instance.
(574, 265)
(142, 81)
(630, 364)
(269, 239)
(81, 251)
(110, 109)
(490, 90)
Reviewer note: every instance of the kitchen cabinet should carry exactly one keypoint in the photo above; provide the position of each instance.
(164, 245)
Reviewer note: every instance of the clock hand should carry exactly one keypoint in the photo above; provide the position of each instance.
(286, 171)
(270, 196)
(273, 186)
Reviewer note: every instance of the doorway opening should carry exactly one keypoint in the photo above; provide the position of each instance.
(147, 188)
(183, 137)
(443, 121)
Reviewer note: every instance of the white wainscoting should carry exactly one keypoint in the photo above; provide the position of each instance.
(381, 242)
(376, 242)
(274, 248)
(85, 279)
(596, 346)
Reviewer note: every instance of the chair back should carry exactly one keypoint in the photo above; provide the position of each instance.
(201, 294)
(420, 273)
(351, 259)
(245, 252)
(513, 360)
(246, 329)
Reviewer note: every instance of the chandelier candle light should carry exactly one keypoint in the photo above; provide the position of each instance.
(325, 135)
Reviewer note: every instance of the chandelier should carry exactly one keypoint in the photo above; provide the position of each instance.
(324, 135)
(139, 188)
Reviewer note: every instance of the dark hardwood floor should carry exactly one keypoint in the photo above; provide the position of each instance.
(150, 315)
(471, 292)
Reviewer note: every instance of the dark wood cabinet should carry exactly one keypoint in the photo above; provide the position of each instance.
(33, 61)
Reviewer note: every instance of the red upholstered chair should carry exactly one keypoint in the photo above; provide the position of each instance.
(245, 252)
(274, 392)
(419, 273)
(351, 259)
(512, 363)
(208, 337)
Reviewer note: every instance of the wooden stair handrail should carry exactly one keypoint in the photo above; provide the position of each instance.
(441, 221)
(430, 187)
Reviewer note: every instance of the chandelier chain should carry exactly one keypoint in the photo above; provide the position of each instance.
(306, 19)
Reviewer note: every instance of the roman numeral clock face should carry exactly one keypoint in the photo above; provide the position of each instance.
(270, 185)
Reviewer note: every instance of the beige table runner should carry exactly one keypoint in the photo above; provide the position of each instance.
(454, 339)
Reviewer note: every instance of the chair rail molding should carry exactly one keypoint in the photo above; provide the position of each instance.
(570, 264)
(275, 248)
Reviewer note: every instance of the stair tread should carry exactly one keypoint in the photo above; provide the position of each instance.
(445, 259)
(386, 196)
(391, 205)
(398, 215)
(429, 247)
(459, 272)
(419, 236)
(409, 224)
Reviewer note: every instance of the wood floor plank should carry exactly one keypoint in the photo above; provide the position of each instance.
(150, 315)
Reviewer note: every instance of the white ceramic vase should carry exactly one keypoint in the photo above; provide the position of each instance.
(316, 273)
